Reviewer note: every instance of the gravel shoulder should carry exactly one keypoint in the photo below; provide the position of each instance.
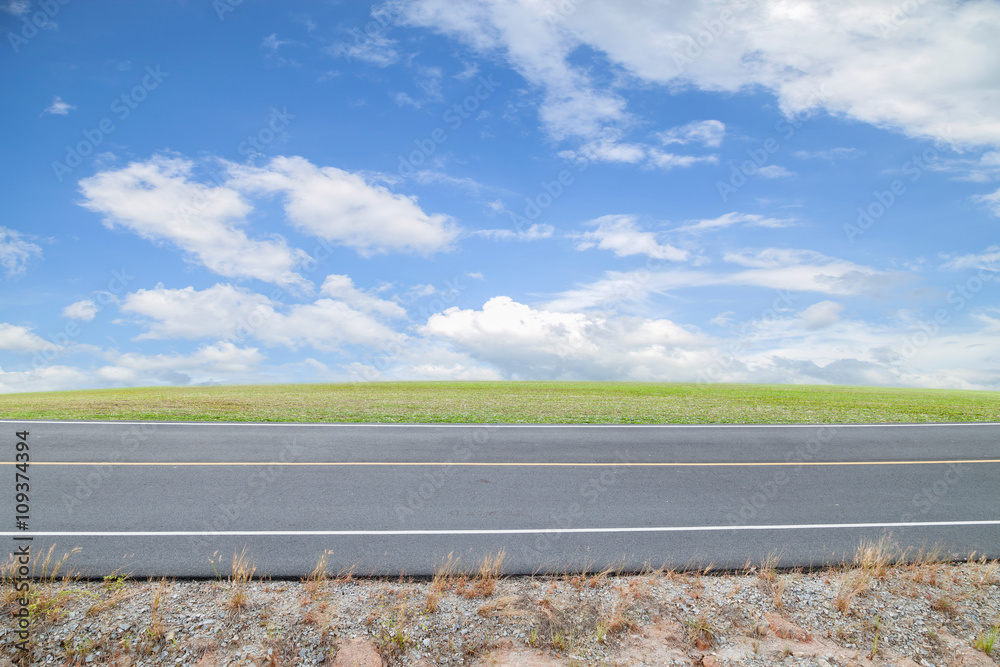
(875, 611)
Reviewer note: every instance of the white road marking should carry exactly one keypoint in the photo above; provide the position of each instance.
(499, 531)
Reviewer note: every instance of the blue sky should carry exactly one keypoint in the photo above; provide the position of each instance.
(215, 191)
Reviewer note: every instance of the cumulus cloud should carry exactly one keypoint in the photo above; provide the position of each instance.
(821, 315)
(930, 73)
(813, 346)
(621, 234)
(220, 357)
(19, 339)
(344, 208)
(46, 378)
(706, 132)
(226, 312)
(58, 107)
(524, 342)
(159, 200)
(84, 310)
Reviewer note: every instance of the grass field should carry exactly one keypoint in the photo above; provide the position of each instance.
(512, 402)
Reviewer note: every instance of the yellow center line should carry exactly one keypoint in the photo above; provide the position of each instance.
(665, 464)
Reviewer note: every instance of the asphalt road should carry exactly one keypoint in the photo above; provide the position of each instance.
(179, 499)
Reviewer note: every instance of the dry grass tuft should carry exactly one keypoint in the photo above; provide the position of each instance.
(317, 580)
(480, 583)
(242, 575)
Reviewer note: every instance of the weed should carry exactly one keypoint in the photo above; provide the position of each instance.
(875, 649)
(768, 572)
(854, 584)
(943, 603)
(877, 557)
(986, 641)
(777, 593)
(699, 633)
(242, 574)
(316, 581)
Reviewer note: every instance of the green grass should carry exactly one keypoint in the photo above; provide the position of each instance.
(512, 402)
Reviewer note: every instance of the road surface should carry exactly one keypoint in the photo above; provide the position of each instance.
(179, 499)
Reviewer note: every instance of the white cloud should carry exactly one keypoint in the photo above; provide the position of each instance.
(158, 200)
(233, 313)
(610, 149)
(17, 7)
(533, 233)
(621, 234)
(991, 201)
(780, 269)
(837, 153)
(848, 58)
(523, 342)
(216, 312)
(19, 339)
(217, 358)
(81, 310)
(404, 100)
(734, 218)
(814, 346)
(15, 252)
(375, 49)
(47, 378)
(58, 107)
(821, 315)
(342, 288)
(989, 260)
(665, 160)
(706, 132)
(342, 207)
(774, 171)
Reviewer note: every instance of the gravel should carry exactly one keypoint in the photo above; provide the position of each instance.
(927, 615)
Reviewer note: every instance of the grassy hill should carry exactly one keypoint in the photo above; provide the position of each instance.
(512, 402)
